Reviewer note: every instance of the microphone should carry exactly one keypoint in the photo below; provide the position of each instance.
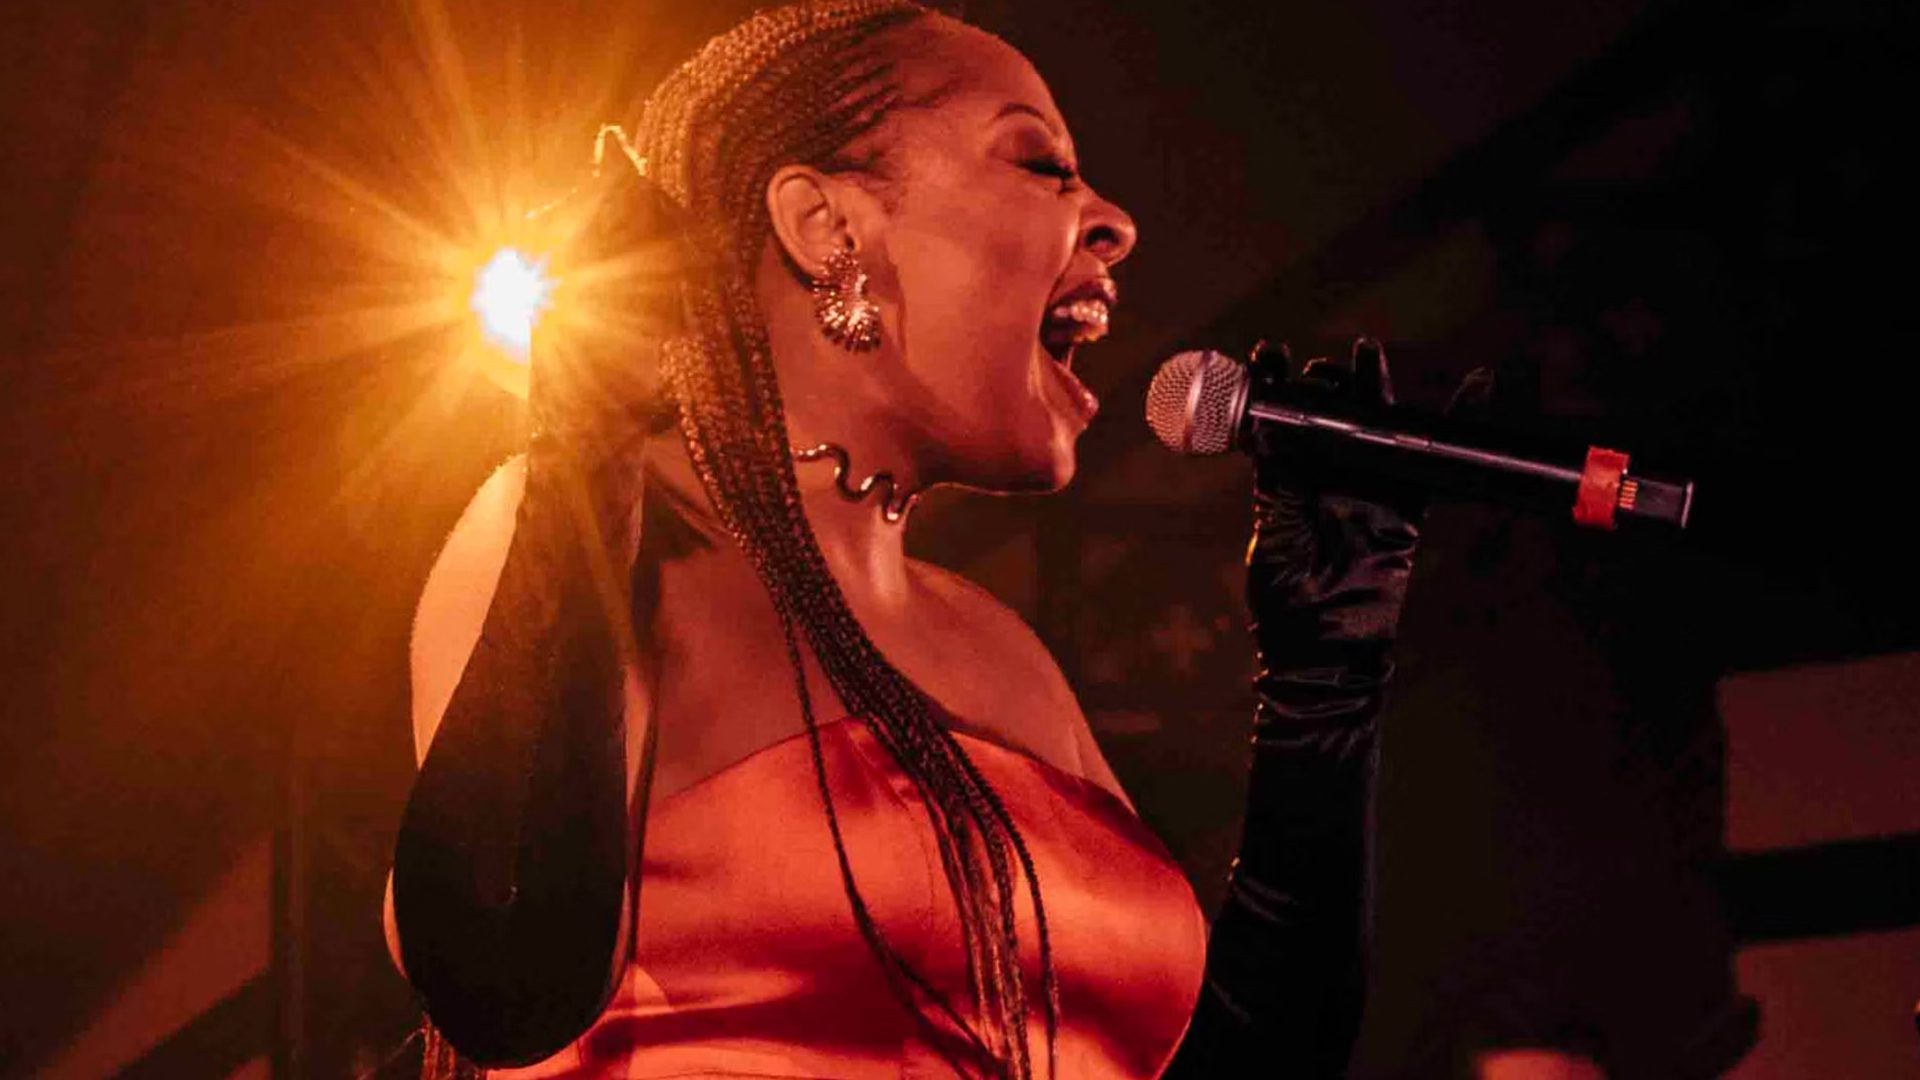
(1205, 402)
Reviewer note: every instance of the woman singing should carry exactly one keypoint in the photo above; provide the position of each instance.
(778, 800)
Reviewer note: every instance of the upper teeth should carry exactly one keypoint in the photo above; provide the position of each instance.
(1091, 314)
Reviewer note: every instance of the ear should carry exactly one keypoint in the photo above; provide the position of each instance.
(813, 216)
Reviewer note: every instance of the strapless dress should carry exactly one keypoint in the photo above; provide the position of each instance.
(747, 961)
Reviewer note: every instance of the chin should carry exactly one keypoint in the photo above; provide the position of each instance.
(1046, 482)
(1030, 470)
(1037, 452)
(1065, 465)
(1048, 467)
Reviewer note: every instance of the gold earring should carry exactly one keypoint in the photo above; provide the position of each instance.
(840, 303)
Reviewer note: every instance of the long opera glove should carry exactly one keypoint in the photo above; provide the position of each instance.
(1327, 573)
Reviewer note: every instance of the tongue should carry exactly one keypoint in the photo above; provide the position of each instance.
(1075, 393)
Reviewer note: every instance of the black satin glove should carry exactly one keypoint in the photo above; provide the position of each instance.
(1331, 553)
(1327, 567)
(521, 834)
(1327, 574)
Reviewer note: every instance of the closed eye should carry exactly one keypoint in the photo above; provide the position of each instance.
(1054, 168)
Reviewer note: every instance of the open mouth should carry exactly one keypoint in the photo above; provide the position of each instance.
(1078, 317)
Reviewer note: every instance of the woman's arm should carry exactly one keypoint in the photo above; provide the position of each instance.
(1326, 577)
(511, 872)
(447, 620)
(1286, 968)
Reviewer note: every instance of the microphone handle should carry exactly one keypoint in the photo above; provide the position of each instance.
(1599, 490)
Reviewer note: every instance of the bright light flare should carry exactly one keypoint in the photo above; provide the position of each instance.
(509, 295)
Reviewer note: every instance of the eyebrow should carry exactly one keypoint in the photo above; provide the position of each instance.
(1013, 108)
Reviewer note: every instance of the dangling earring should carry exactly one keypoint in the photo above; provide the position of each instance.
(840, 303)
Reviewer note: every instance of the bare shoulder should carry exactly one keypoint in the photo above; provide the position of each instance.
(459, 589)
(1005, 680)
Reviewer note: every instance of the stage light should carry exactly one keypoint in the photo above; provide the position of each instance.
(602, 297)
(510, 293)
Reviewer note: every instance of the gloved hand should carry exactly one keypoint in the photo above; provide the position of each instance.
(1331, 552)
(1327, 574)
(595, 389)
(1327, 567)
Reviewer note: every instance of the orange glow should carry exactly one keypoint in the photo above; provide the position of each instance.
(424, 142)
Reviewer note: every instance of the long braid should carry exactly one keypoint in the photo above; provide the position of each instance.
(799, 84)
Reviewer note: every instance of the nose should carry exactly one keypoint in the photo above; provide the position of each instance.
(1107, 231)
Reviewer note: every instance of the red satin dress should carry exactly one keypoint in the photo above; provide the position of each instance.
(748, 962)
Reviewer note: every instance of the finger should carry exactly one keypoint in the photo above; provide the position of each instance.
(1473, 398)
(1272, 356)
(1372, 381)
(1325, 371)
(644, 215)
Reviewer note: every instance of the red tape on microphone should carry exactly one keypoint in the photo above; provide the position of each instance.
(1599, 488)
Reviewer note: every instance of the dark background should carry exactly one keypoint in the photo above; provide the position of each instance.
(232, 444)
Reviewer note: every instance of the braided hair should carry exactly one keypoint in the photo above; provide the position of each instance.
(800, 84)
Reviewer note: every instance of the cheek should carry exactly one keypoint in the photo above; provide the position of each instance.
(972, 286)
(969, 259)
(971, 351)
(967, 285)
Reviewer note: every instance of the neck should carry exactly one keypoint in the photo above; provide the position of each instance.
(865, 551)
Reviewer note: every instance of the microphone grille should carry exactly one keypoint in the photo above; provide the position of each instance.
(1193, 403)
